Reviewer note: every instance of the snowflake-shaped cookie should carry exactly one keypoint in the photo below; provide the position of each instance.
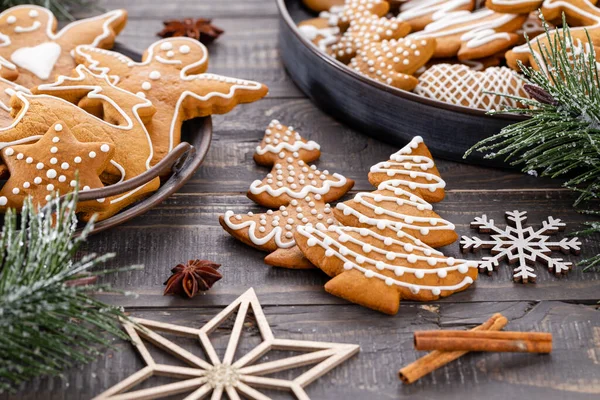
(522, 245)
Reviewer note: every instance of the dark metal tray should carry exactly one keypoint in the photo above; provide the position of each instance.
(386, 113)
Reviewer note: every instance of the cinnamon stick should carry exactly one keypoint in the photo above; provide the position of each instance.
(524, 342)
(437, 359)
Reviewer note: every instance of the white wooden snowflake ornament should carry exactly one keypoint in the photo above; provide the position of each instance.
(231, 376)
(521, 245)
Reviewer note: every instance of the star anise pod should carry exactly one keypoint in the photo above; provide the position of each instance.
(196, 275)
(200, 29)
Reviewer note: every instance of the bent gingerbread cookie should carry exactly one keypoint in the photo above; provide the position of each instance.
(172, 76)
(298, 190)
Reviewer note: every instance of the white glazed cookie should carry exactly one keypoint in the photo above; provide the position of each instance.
(460, 85)
(297, 190)
(420, 13)
(374, 260)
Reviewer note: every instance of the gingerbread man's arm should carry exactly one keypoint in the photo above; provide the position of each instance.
(102, 61)
(97, 31)
(208, 94)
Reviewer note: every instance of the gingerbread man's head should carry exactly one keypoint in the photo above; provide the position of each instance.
(185, 54)
(28, 19)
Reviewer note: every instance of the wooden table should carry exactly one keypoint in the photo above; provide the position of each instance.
(186, 227)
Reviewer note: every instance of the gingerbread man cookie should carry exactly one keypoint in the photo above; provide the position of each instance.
(172, 76)
(420, 13)
(479, 34)
(353, 10)
(405, 184)
(374, 261)
(52, 167)
(460, 85)
(299, 190)
(394, 61)
(30, 44)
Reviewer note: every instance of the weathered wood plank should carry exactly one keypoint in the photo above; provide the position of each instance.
(570, 372)
(186, 227)
(344, 151)
(144, 9)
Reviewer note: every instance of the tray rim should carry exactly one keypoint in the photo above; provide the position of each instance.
(343, 68)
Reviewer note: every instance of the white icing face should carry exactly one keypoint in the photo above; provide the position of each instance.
(23, 20)
(178, 52)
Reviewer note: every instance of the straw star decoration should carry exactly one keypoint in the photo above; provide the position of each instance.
(234, 377)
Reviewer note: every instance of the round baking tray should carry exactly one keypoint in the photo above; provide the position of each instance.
(392, 115)
(175, 169)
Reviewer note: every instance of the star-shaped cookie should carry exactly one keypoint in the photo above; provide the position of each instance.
(31, 46)
(52, 166)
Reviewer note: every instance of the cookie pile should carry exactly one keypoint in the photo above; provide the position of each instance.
(76, 114)
(378, 247)
(455, 51)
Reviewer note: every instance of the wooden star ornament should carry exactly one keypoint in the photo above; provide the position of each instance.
(231, 376)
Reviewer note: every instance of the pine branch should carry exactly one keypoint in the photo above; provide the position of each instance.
(48, 319)
(61, 8)
(562, 136)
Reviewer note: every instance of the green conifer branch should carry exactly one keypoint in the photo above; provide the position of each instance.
(562, 136)
(48, 317)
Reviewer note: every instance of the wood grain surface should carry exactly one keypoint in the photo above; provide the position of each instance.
(186, 226)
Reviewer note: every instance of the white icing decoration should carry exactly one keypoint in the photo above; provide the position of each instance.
(86, 52)
(57, 128)
(166, 46)
(3, 200)
(105, 148)
(185, 49)
(11, 19)
(38, 60)
(146, 85)
(154, 75)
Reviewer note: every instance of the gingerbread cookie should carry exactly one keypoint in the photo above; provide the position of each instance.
(30, 42)
(172, 76)
(319, 32)
(353, 10)
(52, 166)
(374, 261)
(460, 85)
(124, 128)
(322, 5)
(578, 12)
(473, 35)
(514, 6)
(299, 190)
(420, 13)
(366, 30)
(394, 61)
(404, 184)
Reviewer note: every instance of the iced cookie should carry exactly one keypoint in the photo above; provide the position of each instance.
(298, 190)
(39, 53)
(374, 260)
(172, 76)
(479, 34)
(420, 13)
(514, 6)
(394, 61)
(460, 85)
(52, 166)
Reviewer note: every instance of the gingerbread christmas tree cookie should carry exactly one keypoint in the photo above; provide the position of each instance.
(298, 190)
(173, 76)
(32, 47)
(383, 254)
(55, 164)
